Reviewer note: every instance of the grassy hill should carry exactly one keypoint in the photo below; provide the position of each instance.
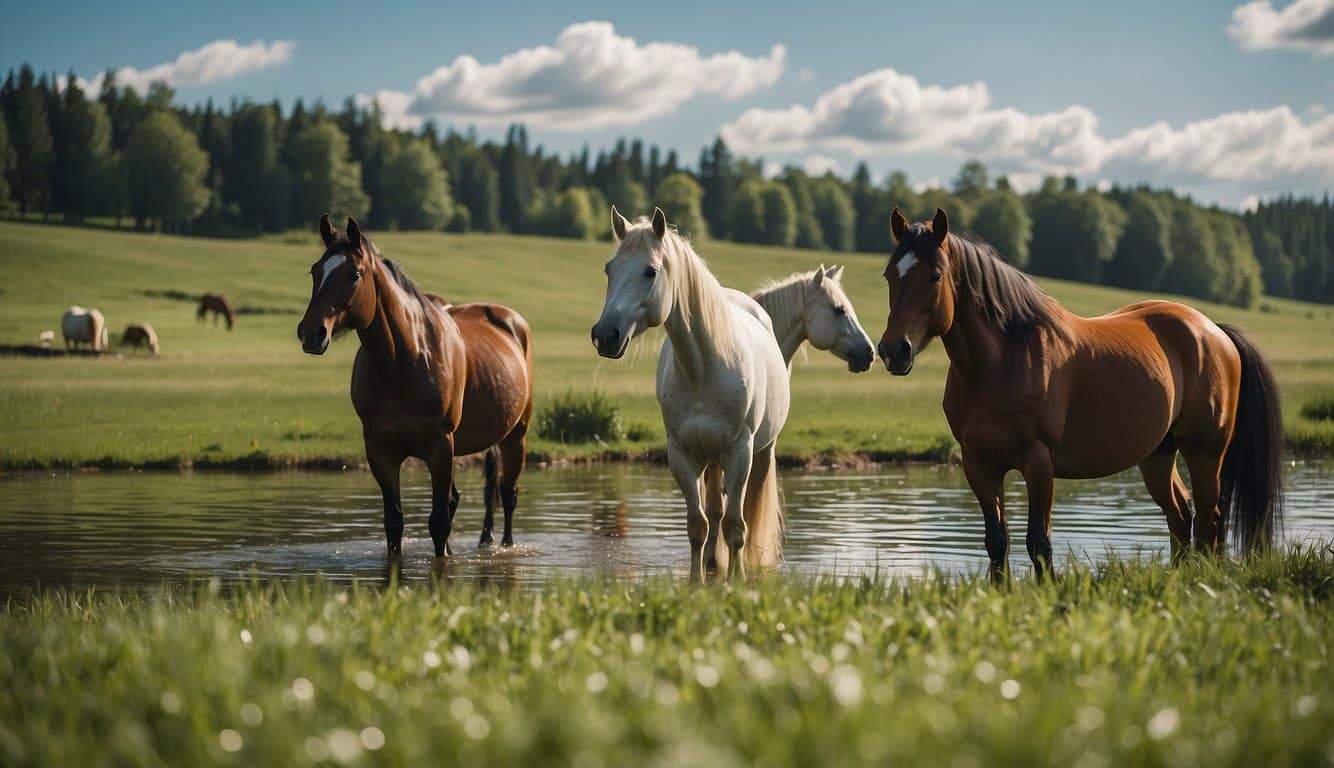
(215, 397)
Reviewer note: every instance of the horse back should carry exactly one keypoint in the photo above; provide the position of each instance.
(499, 391)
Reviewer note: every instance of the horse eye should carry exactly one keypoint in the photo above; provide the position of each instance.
(356, 274)
(935, 277)
(840, 311)
(651, 272)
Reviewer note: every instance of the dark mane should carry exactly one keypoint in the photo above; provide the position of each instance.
(1006, 296)
(406, 283)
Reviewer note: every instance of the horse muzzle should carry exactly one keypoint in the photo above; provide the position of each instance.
(316, 343)
(898, 356)
(860, 359)
(609, 341)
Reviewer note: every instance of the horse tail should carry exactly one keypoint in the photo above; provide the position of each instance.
(763, 512)
(1251, 484)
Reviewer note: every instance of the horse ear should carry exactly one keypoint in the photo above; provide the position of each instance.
(659, 223)
(353, 232)
(618, 224)
(818, 278)
(327, 231)
(940, 226)
(835, 273)
(898, 225)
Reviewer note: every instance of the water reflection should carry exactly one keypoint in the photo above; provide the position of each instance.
(126, 528)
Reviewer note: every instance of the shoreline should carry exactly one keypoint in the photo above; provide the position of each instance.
(654, 456)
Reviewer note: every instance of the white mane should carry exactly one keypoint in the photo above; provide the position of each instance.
(700, 299)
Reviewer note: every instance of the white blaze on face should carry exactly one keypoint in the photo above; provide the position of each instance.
(328, 267)
(906, 263)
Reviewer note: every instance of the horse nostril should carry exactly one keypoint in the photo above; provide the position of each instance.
(903, 351)
(883, 349)
(321, 334)
(299, 336)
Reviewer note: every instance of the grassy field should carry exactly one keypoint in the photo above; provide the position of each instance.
(252, 397)
(1134, 664)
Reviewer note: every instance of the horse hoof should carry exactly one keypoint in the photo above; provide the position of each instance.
(486, 541)
(507, 542)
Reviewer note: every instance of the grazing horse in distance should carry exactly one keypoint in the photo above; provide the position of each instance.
(140, 335)
(431, 380)
(722, 386)
(84, 326)
(1035, 388)
(219, 306)
(811, 306)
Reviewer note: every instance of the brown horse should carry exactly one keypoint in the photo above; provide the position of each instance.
(219, 306)
(140, 335)
(431, 380)
(1034, 388)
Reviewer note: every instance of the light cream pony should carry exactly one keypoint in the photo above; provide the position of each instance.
(83, 326)
(722, 387)
(811, 306)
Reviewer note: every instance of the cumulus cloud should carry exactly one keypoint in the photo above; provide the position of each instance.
(591, 78)
(218, 60)
(1305, 25)
(889, 112)
(886, 111)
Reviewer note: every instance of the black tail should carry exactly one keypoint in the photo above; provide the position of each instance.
(1251, 488)
(491, 471)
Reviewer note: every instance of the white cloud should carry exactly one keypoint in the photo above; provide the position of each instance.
(1305, 25)
(887, 112)
(591, 78)
(218, 60)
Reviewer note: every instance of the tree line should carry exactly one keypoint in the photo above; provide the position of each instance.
(255, 167)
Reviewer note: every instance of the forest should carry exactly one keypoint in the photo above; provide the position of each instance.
(121, 158)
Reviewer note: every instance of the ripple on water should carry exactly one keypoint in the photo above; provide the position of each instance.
(139, 528)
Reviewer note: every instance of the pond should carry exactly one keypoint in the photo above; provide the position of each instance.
(85, 529)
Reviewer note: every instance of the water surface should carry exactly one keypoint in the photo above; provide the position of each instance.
(83, 529)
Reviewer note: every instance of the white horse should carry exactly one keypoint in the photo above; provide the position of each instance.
(811, 306)
(83, 326)
(722, 387)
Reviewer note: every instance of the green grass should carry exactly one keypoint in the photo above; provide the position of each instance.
(1210, 664)
(252, 397)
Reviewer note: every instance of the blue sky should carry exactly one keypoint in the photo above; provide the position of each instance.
(1030, 89)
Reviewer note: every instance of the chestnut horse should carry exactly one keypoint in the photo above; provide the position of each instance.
(431, 380)
(219, 306)
(1034, 388)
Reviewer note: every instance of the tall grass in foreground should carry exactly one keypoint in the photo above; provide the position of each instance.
(1132, 663)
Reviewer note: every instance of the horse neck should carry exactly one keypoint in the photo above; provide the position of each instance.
(393, 340)
(786, 306)
(695, 345)
(974, 344)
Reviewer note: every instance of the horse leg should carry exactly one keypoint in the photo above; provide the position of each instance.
(513, 457)
(1210, 530)
(1039, 476)
(1164, 486)
(441, 464)
(988, 486)
(687, 471)
(736, 475)
(384, 467)
(489, 472)
(713, 511)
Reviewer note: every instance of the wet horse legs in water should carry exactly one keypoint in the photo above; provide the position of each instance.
(1169, 493)
(491, 495)
(988, 486)
(513, 455)
(386, 472)
(443, 504)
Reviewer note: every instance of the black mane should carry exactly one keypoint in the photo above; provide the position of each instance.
(1006, 296)
(406, 283)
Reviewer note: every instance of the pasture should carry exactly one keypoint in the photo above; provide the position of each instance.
(251, 398)
(1218, 664)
